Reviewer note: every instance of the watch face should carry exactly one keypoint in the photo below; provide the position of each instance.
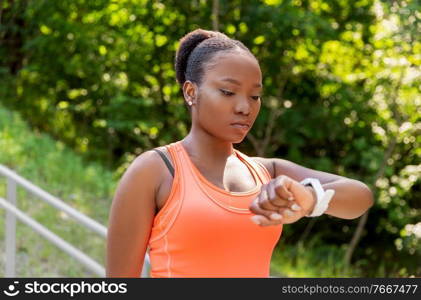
(310, 181)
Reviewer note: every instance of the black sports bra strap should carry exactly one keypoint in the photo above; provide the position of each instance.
(167, 162)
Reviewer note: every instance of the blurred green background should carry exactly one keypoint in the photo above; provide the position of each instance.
(87, 85)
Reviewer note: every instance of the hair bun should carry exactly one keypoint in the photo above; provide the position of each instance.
(187, 44)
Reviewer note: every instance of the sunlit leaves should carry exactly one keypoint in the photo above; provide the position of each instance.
(45, 29)
(102, 50)
(273, 2)
(259, 40)
(230, 29)
(160, 40)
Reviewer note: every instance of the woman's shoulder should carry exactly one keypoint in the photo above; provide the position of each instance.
(153, 157)
(150, 164)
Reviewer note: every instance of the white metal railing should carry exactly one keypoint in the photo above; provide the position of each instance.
(12, 212)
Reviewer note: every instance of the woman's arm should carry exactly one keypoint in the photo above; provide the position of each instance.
(131, 217)
(352, 198)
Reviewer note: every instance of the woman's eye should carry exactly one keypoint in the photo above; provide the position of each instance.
(226, 93)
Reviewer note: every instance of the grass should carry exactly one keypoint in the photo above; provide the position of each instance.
(315, 259)
(50, 165)
(311, 260)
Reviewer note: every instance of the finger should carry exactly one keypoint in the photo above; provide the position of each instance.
(295, 207)
(269, 215)
(263, 221)
(282, 184)
(264, 201)
(288, 213)
(258, 210)
(274, 198)
(282, 187)
(271, 191)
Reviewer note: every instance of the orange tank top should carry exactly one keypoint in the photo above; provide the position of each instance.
(205, 231)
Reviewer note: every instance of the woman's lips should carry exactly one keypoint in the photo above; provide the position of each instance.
(243, 127)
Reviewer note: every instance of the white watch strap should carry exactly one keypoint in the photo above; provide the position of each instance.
(322, 197)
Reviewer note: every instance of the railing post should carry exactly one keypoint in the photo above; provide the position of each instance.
(146, 266)
(10, 231)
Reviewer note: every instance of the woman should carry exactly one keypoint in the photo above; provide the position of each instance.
(202, 207)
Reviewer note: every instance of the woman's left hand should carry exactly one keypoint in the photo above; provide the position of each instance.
(282, 200)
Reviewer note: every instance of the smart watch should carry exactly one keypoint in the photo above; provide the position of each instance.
(323, 197)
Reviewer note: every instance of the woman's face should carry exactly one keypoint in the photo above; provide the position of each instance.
(228, 100)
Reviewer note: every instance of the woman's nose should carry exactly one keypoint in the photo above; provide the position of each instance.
(242, 106)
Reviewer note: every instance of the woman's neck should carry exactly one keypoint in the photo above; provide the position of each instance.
(201, 145)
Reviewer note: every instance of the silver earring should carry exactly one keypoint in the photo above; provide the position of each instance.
(190, 103)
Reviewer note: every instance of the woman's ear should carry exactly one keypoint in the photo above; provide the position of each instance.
(189, 91)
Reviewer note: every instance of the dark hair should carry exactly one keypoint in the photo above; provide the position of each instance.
(198, 47)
